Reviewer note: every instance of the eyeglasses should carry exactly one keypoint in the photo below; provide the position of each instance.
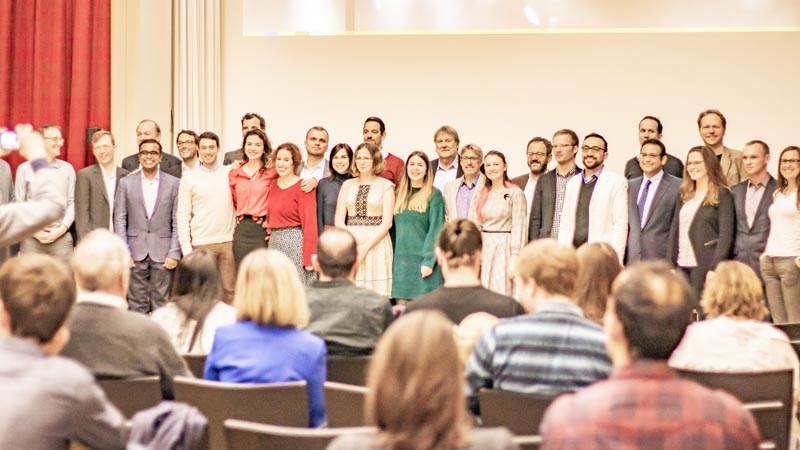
(149, 153)
(586, 148)
(649, 155)
(536, 154)
(790, 161)
(57, 139)
(183, 143)
(470, 158)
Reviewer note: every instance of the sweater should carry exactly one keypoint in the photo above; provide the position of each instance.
(205, 208)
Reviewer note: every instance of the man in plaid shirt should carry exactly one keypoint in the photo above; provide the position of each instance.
(644, 404)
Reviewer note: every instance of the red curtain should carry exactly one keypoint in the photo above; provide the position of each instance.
(55, 68)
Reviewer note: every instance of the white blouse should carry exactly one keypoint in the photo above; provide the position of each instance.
(784, 232)
(686, 256)
(171, 318)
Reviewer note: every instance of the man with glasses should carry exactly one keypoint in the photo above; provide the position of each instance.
(548, 197)
(96, 185)
(188, 142)
(650, 128)
(596, 203)
(54, 240)
(652, 201)
(446, 167)
(149, 129)
(145, 218)
(539, 154)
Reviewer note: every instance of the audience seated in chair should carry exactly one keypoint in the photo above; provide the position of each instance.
(195, 311)
(416, 397)
(109, 340)
(644, 404)
(47, 400)
(552, 349)
(349, 318)
(266, 345)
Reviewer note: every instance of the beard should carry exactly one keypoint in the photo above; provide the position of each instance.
(542, 168)
(595, 164)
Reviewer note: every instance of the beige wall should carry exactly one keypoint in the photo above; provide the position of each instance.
(141, 70)
(501, 90)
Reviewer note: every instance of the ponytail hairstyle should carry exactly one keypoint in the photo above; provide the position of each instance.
(460, 242)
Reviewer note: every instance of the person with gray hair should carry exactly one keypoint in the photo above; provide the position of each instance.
(109, 340)
(334, 300)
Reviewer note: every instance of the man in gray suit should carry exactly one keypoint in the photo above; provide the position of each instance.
(652, 200)
(145, 218)
(96, 185)
(751, 200)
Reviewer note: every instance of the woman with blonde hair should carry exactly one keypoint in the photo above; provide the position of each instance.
(780, 263)
(599, 266)
(266, 344)
(418, 219)
(704, 224)
(365, 208)
(416, 398)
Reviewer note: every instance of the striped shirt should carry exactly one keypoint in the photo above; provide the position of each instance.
(551, 351)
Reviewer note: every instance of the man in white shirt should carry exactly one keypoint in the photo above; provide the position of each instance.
(96, 185)
(54, 240)
(446, 167)
(539, 153)
(315, 165)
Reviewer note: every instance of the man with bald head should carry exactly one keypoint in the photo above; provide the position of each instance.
(149, 129)
(350, 319)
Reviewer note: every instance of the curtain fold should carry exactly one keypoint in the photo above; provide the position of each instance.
(196, 65)
(55, 68)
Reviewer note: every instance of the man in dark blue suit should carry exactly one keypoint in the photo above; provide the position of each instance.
(751, 201)
(145, 218)
(652, 201)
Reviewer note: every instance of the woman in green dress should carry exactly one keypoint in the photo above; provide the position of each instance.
(418, 219)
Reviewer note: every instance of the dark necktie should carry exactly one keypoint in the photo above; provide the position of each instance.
(642, 200)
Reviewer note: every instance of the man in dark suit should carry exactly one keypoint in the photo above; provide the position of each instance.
(250, 121)
(539, 153)
(446, 167)
(650, 128)
(548, 197)
(145, 218)
(96, 185)
(149, 129)
(652, 200)
(751, 200)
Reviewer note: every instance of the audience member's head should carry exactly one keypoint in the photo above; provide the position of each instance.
(269, 292)
(36, 294)
(101, 263)
(648, 313)
(336, 255)
(460, 245)
(599, 266)
(416, 397)
(469, 330)
(733, 290)
(196, 289)
(546, 269)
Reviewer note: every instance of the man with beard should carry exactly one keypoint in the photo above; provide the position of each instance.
(539, 154)
(596, 203)
(374, 132)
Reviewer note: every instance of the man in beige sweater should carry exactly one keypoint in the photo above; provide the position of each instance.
(205, 211)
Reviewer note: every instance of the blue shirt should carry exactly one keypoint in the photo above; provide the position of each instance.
(551, 351)
(464, 197)
(246, 352)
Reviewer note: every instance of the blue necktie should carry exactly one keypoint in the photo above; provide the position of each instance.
(642, 200)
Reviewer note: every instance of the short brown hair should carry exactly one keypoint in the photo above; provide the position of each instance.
(99, 135)
(416, 396)
(297, 157)
(734, 290)
(716, 113)
(553, 266)
(448, 130)
(37, 291)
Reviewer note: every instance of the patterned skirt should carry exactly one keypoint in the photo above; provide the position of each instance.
(289, 241)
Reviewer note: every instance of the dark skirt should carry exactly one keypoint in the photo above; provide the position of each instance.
(248, 236)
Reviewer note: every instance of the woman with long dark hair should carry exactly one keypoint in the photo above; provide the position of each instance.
(328, 190)
(503, 215)
(195, 311)
(418, 219)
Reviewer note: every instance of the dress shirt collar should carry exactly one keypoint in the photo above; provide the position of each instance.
(469, 185)
(656, 178)
(205, 168)
(151, 180)
(594, 177)
(57, 163)
(107, 175)
(756, 184)
(559, 305)
(453, 165)
(102, 298)
(572, 171)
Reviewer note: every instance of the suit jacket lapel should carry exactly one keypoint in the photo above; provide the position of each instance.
(635, 186)
(160, 191)
(769, 189)
(99, 181)
(725, 162)
(660, 192)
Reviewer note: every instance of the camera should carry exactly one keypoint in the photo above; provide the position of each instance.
(9, 141)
